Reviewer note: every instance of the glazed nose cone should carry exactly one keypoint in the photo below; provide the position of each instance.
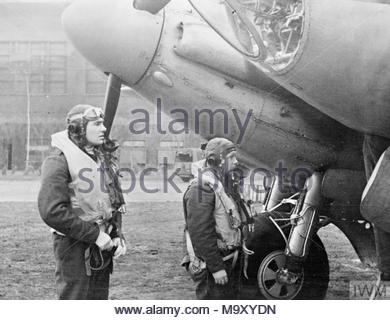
(114, 36)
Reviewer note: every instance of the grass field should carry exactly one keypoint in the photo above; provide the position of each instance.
(151, 268)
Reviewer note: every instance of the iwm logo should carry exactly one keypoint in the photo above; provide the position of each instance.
(363, 290)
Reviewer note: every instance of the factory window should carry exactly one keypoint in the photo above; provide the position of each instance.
(171, 144)
(95, 80)
(42, 64)
(134, 143)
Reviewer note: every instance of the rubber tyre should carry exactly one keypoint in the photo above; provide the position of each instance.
(267, 240)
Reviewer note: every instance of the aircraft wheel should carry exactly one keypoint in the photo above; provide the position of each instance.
(269, 282)
(264, 241)
(312, 284)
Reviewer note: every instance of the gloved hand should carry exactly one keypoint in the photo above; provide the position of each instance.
(221, 277)
(121, 247)
(104, 241)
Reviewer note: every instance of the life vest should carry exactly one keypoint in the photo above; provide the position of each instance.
(89, 201)
(227, 217)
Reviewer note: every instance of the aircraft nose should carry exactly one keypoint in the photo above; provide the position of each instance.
(114, 36)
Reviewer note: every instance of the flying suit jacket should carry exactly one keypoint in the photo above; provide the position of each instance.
(54, 201)
(199, 204)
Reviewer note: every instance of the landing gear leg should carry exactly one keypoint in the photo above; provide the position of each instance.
(305, 220)
(285, 274)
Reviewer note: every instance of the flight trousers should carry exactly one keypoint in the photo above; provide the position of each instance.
(72, 281)
(207, 289)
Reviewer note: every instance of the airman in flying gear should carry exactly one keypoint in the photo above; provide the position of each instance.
(81, 201)
(216, 222)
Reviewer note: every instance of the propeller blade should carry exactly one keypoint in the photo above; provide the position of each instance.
(111, 100)
(152, 6)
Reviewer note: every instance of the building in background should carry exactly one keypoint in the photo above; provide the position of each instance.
(41, 72)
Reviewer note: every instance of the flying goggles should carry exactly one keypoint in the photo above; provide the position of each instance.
(91, 114)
